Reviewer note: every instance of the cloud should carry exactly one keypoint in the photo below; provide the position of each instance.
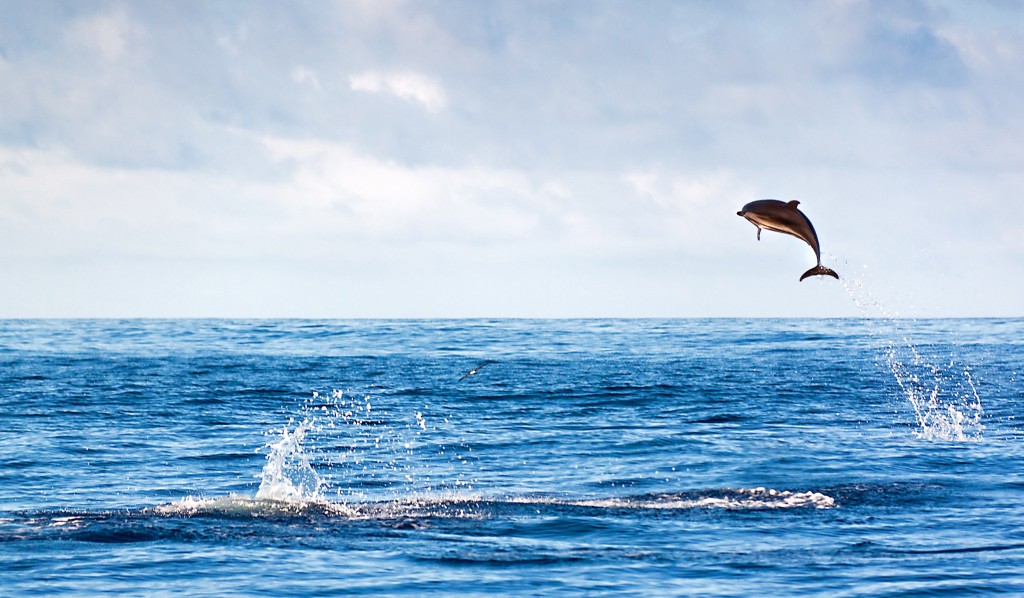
(58, 206)
(912, 55)
(109, 34)
(409, 86)
(303, 75)
(330, 199)
(597, 133)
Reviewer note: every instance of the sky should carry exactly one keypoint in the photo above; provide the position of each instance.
(363, 159)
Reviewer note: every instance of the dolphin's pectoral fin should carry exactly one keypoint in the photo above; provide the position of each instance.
(759, 233)
(820, 270)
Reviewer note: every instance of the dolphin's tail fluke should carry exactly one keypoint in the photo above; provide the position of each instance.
(820, 270)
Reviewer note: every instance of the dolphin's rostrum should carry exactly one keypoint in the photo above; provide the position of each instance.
(784, 217)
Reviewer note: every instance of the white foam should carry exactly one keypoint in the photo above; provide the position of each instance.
(237, 505)
(70, 522)
(455, 506)
(737, 499)
(757, 498)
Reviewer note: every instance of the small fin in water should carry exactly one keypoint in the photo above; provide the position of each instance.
(820, 270)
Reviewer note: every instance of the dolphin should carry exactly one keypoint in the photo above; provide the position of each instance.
(784, 217)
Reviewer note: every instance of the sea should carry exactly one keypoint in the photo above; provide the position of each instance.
(874, 456)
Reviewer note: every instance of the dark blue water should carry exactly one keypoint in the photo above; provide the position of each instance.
(643, 457)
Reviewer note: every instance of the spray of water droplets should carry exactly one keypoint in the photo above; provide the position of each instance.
(345, 450)
(288, 476)
(940, 389)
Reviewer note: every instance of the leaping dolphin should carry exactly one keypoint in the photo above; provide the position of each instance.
(784, 217)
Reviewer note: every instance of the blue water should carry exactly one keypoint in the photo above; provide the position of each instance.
(852, 457)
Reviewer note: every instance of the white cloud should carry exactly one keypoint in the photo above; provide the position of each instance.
(330, 198)
(407, 85)
(232, 42)
(108, 34)
(676, 192)
(334, 187)
(303, 75)
(55, 205)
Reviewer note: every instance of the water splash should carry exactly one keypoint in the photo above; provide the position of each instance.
(288, 476)
(944, 397)
(349, 450)
(942, 393)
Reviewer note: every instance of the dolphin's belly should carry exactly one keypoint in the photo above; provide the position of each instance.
(785, 225)
(769, 223)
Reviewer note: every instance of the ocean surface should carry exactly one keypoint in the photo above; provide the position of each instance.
(720, 457)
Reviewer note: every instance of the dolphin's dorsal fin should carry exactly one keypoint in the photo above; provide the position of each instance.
(793, 204)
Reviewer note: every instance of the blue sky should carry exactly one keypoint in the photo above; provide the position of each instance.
(536, 159)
